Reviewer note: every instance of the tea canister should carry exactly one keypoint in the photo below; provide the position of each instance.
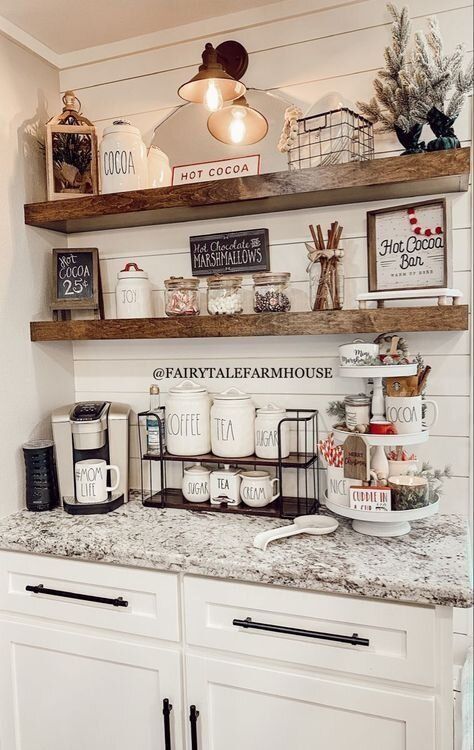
(196, 483)
(225, 486)
(232, 424)
(133, 293)
(123, 159)
(357, 410)
(187, 419)
(266, 432)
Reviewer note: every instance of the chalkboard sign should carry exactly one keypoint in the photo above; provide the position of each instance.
(232, 252)
(76, 279)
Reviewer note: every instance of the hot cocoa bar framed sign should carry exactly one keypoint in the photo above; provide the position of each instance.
(408, 247)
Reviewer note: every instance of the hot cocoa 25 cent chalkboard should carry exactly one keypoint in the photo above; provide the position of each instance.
(232, 252)
(408, 247)
(75, 279)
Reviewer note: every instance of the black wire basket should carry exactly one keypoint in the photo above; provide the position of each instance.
(335, 137)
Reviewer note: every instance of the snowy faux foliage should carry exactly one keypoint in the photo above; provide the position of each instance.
(445, 83)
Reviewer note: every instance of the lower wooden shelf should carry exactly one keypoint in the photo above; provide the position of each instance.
(282, 507)
(293, 461)
(406, 319)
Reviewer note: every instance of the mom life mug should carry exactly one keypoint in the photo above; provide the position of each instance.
(405, 413)
(91, 480)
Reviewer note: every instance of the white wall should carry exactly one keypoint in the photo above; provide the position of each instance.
(303, 57)
(33, 379)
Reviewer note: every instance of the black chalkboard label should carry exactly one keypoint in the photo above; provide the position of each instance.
(232, 252)
(75, 278)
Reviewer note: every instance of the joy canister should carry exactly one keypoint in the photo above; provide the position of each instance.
(187, 420)
(233, 424)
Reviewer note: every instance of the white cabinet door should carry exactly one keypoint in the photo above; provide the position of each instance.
(257, 708)
(68, 691)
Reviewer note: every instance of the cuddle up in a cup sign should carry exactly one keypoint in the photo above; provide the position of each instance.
(408, 247)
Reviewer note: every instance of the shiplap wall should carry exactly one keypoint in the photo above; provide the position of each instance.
(302, 57)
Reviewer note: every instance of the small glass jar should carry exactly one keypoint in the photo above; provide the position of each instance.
(224, 295)
(357, 410)
(181, 296)
(270, 292)
(326, 283)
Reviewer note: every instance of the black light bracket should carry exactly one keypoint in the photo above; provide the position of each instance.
(234, 58)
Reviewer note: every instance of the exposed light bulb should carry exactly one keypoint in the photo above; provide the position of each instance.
(213, 98)
(237, 127)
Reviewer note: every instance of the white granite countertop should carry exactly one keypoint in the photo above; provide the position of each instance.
(430, 565)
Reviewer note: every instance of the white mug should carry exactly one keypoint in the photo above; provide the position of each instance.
(339, 486)
(256, 488)
(91, 480)
(400, 468)
(405, 413)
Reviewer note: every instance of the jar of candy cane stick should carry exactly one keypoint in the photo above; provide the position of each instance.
(181, 296)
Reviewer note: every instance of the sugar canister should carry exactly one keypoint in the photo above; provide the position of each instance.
(196, 483)
(266, 432)
(133, 293)
(187, 419)
(232, 424)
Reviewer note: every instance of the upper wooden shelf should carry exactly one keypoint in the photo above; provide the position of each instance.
(379, 179)
(442, 318)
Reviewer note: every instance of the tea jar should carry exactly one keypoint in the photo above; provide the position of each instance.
(187, 420)
(196, 483)
(133, 296)
(225, 486)
(271, 292)
(224, 295)
(181, 296)
(232, 424)
(266, 432)
(123, 159)
(357, 410)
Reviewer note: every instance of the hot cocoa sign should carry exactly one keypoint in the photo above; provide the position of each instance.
(408, 247)
(223, 169)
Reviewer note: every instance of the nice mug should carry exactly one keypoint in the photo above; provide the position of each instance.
(91, 480)
(256, 488)
(405, 413)
(339, 485)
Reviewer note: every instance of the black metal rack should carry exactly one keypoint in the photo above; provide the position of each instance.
(304, 461)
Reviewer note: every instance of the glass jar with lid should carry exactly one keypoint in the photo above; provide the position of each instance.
(224, 295)
(357, 410)
(181, 296)
(271, 292)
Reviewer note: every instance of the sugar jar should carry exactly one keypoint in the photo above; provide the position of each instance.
(123, 159)
(187, 420)
(224, 295)
(225, 486)
(266, 432)
(181, 296)
(232, 424)
(133, 293)
(196, 483)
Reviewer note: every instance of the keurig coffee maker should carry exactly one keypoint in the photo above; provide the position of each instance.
(91, 439)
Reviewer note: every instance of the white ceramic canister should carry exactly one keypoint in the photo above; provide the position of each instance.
(225, 486)
(123, 159)
(187, 420)
(159, 170)
(232, 424)
(266, 432)
(196, 483)
(339, 485)
(133, 293)
(258, 489)
(357, 353)
(400, 468)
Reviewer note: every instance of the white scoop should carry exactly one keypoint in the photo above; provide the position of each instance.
(301, 525)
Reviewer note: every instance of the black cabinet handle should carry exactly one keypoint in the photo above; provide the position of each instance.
(193, 715)
(167, 708)
(352, 639)
(40, 589)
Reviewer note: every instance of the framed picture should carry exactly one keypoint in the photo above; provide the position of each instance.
(409, 247)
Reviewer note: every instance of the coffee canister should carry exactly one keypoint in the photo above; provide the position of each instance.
(187, 420)
(196, 483)
(233, 424)
(123, 159)
(133, 293)
(266, 432)
(225, 486)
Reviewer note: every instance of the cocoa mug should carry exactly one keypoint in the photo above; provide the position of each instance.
(382, 427)
(256, 488)
(91, 480)
(405, 413)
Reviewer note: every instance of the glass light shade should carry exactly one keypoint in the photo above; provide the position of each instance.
(238, 124)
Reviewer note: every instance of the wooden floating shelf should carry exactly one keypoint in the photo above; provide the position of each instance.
(378, 179)
(435, 318)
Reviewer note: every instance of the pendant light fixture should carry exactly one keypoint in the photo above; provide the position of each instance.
(217, 80)
(238, 124)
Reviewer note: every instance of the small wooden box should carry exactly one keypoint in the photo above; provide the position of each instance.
(371, 499)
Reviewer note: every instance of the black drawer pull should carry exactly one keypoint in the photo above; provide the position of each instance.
(353, 639)
(167, 708)
(193, 715)
(40, 589)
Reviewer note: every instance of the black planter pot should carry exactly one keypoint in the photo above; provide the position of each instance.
(442, 127)
(410, 139)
